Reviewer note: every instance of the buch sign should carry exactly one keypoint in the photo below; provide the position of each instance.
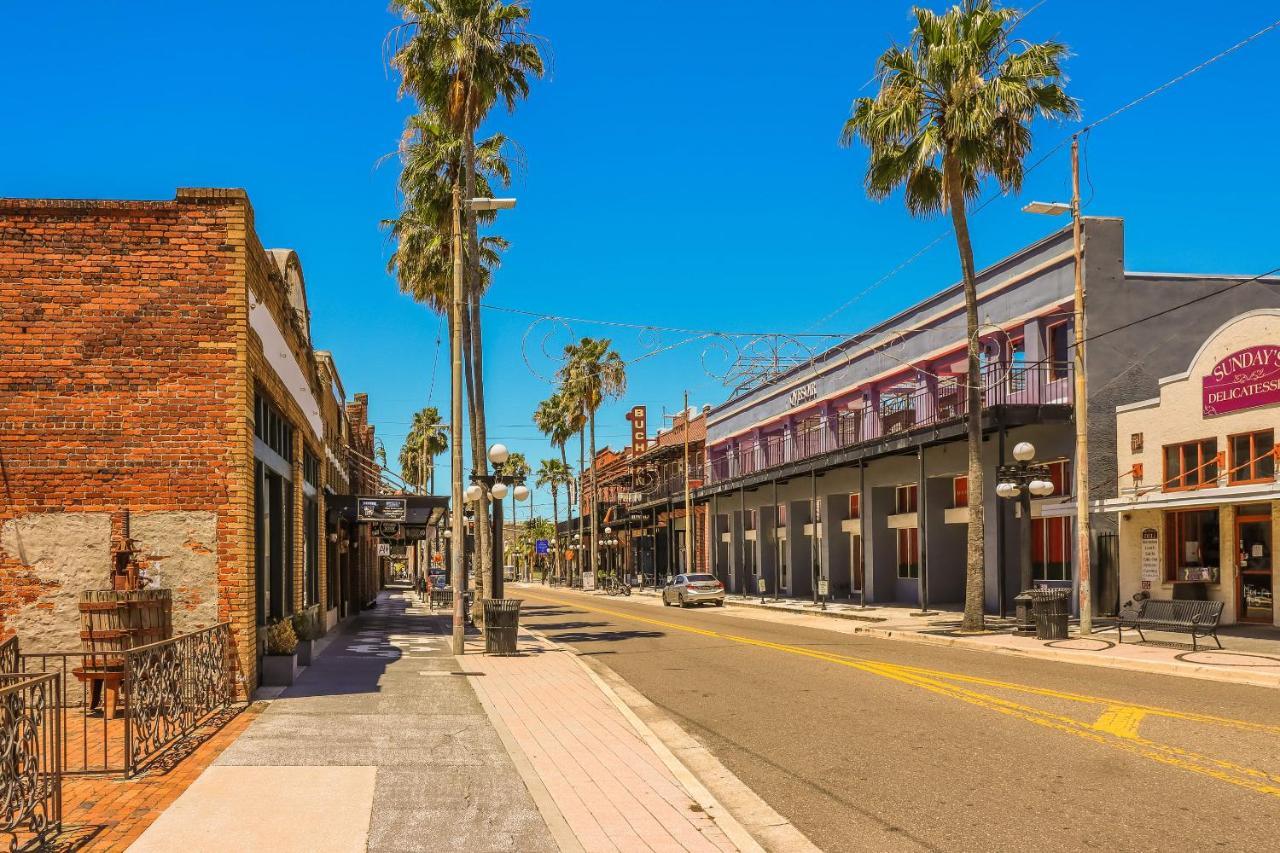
(1245, 379)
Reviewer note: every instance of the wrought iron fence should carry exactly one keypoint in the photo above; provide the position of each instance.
(30, 761)
(9, 655)
(171, 688)
(900, 410)
(92, 739)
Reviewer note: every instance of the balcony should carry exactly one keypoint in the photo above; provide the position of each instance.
(900, 412)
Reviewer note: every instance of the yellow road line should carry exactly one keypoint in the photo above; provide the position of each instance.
(1116, 728)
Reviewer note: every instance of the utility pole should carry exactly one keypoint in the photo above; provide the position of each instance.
(691, 539)
(1083, 527)
(455, 430)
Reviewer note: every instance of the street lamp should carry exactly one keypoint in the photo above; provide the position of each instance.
(498, 486)
(1084, 534)
(1021, 481)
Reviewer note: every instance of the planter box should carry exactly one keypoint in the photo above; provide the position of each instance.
(279, 670)
(305, 648)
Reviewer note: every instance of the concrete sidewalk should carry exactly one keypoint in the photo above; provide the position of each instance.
(1250, 657)
(389, 742)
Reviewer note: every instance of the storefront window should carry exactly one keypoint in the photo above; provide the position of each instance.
(906, 499)
(1252, 459)
(1194, 545)
(1051, 549)
(782, 515)
(909, 553)
(1192, 465)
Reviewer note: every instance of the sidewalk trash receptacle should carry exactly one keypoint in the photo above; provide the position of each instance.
(501, 622)
(1051, 610)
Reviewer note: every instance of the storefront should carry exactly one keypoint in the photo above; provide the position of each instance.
(1198, 502)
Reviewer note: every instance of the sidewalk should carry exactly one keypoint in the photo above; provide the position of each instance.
(1250, 657)
(389, 742)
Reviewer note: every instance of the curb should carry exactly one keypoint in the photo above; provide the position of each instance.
(763, 819)
(1200, 672)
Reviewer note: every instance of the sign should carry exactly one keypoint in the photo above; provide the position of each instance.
(542, 546)
(1245, 379)
(384, 549)
(588, 580)
(1150, 555)
(639, 417)
(823, 586)
(630, 497)
(437, 559)
(803, 394)
(760, 586)
(381, 509)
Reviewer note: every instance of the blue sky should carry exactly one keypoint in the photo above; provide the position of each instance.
(680, 166)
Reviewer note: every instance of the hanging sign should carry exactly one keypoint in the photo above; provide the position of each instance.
(384, 549)
(639, 428)
(381, 509)
(1150, 556)
(1245, 379)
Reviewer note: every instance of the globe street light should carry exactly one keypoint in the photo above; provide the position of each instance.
(1021, 481)
(497, 486)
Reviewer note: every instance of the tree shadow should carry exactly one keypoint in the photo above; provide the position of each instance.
(605, 636)
(567, 626)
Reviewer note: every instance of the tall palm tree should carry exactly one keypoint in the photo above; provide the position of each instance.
(461, 58)
(515, 468)
(427, 439)
(954, 109)
(593, 373)
(556, 418)
(553, 473)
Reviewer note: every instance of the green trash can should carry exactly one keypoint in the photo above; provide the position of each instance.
(1051, 612)
(501, 623)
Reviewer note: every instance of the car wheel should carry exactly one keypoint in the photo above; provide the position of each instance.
(720, 603)
(683, 603)
(665, 602)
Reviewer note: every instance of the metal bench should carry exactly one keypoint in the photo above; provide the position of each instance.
(1197, 618)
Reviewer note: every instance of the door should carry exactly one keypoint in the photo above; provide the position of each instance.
(784, 575)
(1254, 582)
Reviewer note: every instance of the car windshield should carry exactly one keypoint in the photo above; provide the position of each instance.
(695, 578)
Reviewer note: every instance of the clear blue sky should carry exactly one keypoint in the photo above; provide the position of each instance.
(681, 165)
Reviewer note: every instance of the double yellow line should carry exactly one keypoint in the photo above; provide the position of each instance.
(1117, 727)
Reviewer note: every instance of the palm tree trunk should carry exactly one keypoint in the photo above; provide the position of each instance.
(595, 491)
(555, 538)
(483, 554)
(975, 573)
(582, 538)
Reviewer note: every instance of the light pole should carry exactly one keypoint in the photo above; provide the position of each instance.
(495, 486)
(1084, 532)
(1020, 481)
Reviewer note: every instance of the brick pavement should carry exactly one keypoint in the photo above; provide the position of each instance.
(108, 813)
(614, 791)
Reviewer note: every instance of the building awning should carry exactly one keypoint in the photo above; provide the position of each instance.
(1254, 493)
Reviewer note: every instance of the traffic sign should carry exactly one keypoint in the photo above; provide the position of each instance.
(542, 546)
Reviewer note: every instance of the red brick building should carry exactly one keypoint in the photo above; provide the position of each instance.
(157, 378)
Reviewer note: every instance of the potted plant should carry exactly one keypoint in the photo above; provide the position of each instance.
(280, 663)
(308, 628)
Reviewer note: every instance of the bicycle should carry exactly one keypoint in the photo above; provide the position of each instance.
(617, 587)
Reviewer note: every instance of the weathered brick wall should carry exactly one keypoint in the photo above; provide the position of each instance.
(122, 387)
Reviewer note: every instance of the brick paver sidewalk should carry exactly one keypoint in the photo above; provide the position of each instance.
(612, 789)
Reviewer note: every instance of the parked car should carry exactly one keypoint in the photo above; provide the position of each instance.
(693, 589)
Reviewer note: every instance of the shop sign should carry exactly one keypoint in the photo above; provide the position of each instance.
(803, 394)
(381, 509)
(1245, 379)
(542, 546)
(639, 428)
(588, 581)
(823, 587)
(1150, 557)
(630, 497)
(384, 549)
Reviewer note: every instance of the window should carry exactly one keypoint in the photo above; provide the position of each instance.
(856, 574)
(960, 492)
(310, 551)
(1017, 364)
(749, 520)
(1057, 342)
(310, 467)
(908, 553)
(855, 506)
(1051, 549)
(1251, 457)
(782, 514)
(1060, 476)
(1192, 465)
(271, 427)
(1193, 545)
(906, 498)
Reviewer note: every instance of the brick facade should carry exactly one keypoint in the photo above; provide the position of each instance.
(128, 368)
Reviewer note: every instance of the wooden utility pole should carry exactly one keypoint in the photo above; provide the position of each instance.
(691, 539)
(455, 430)
(1083, 527)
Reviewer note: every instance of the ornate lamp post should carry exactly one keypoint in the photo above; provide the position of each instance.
(1020, 481)
(496, 486)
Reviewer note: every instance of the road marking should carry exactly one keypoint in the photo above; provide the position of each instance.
(1117, 731)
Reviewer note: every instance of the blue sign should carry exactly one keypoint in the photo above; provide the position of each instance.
(542, 546)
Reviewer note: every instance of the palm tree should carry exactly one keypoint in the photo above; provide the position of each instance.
(556, 418)
(552, 473)
(593, 373)
(426, 440)
(515, 468)
(954, 108)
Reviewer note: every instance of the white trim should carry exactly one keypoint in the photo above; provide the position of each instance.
(904, 521)
(1193, 276)
(851, 525)
(276, 352)
(1141, 404)
(808, 529)
(1252, 493)
(750, 535)
(955, 515)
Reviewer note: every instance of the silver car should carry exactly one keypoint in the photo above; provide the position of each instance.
(693, 589)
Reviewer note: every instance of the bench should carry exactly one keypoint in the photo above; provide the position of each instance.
(1197, 618)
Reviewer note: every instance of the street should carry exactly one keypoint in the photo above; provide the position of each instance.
(870, 744)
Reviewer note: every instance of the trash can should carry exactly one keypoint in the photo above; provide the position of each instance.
(1051, 612)
(501, 622)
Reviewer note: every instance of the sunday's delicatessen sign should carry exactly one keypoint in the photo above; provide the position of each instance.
(1245, 379)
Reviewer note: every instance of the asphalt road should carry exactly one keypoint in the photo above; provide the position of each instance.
(871, 744)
